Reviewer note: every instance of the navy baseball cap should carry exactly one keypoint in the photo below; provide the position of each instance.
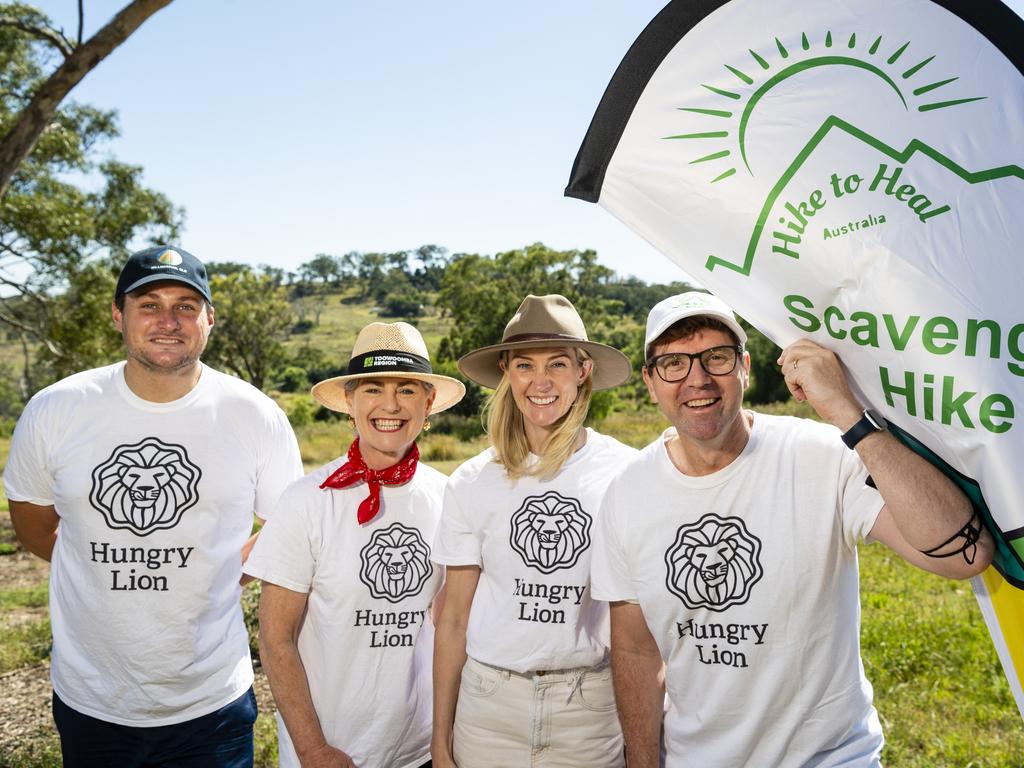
(163, 262)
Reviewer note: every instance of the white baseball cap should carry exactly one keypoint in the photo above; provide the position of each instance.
(669, 311)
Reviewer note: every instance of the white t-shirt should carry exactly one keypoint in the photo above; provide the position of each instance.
(155, 502)
(748, 582)
(532, 540)
(367, 638)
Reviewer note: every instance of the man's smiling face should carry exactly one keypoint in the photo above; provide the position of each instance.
(703, 408)
(165, 326)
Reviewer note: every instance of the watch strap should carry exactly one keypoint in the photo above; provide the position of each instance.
(870, 421)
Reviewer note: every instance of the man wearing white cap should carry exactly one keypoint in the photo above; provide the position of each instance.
(140, 481)
(735, 569)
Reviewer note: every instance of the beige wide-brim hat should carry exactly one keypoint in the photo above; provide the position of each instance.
(539, 323)
(389, 351)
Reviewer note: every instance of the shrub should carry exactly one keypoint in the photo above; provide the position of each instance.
(326, 414)
(463, 428)
(440, 448)
(402, 305)
(301, 413)
(294, 379)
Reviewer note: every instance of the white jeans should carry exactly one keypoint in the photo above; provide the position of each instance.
(557, 719)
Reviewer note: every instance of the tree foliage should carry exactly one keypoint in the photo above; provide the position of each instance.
(40, 96)
(66, 220)
(253, 318)
(481, 293)
(767, 384)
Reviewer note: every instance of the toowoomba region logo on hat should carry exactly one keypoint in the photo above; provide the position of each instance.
(389, 351)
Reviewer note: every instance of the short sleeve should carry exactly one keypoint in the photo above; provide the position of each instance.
(609, 574)
(281, 465)
(27, 475)
(860, 503)
(456, 542)
(288, 547)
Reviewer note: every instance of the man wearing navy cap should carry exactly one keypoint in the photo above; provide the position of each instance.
(139, 480)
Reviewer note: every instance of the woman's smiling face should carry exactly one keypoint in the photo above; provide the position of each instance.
(389, 415)
(544, 384)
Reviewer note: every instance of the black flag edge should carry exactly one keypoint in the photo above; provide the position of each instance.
(993, 19)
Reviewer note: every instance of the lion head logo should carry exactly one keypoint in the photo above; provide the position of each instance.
(396, 563)
(145, 487)
(713, 563)
(550, 532)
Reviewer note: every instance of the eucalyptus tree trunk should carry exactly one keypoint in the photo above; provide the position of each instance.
(79, 59)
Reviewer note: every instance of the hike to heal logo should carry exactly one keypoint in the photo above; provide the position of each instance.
(852, 174)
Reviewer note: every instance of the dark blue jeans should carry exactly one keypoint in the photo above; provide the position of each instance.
(221, 739)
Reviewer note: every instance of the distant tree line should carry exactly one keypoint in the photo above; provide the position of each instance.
(259, 309)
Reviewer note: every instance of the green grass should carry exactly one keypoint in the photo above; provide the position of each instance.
(46, 755)
(342, 319)
(938, 684)
(24, 645)
(30, 597)
(265, 732)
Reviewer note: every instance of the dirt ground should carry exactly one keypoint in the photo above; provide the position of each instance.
(26, 725)
(24, 693)
(25, 721)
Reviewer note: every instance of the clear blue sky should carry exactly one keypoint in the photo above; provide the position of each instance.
(289, 129)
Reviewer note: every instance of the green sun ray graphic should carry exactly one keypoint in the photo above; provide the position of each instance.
(758, 76)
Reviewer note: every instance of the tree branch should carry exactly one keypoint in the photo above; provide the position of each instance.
(24, 291)
(33, 120)
(46, 34)
(81, 20)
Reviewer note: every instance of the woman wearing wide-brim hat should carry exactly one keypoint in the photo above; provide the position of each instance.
(520, 663)
(345, 629)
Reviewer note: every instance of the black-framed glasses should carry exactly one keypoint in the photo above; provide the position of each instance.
(716, 361)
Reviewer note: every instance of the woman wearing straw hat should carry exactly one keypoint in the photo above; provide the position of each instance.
(520, 663)
(345, 627)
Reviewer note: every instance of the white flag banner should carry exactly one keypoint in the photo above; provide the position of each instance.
(852, 173)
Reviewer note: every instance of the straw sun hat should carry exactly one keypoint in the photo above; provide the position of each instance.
(389, 351)
(542, 322)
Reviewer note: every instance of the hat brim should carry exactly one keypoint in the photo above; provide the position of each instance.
(163, 277)
(611, 367)
(730, 322)
(330, 393)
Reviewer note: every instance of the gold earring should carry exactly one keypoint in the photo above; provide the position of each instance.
(351, 421)
(426, 425)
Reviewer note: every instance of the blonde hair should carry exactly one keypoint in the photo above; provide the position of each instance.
(507, 431)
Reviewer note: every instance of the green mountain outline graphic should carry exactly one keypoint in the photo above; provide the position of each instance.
(1009, 555)
(832, 121)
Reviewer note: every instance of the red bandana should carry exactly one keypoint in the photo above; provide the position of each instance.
(355, 471)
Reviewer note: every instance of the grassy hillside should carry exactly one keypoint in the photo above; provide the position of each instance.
(342, 318)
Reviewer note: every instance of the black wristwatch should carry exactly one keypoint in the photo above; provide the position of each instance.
(870, 421)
